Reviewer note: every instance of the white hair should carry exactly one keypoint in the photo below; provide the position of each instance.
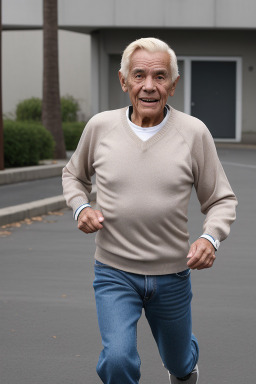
(150, 44)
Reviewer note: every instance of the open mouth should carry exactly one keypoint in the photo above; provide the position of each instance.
(149, 100)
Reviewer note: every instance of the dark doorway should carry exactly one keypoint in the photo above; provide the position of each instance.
(213, 96)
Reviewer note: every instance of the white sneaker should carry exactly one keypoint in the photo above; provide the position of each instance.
(191, 379)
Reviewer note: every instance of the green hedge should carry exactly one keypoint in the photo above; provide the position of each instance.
(69, 108)
(31, 109)
(26, 143)
(72, 133)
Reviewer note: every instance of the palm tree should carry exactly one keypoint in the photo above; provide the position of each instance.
(51, 111)
(1, 113)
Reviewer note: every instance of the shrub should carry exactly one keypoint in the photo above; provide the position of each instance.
(29, 109)
(47, 144)
(69, 108)
(72, 133)
(26, 143)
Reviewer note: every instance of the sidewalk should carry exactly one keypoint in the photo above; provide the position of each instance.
(17, 175)
(19, 212)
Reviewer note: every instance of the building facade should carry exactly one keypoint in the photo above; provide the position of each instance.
(214, 41)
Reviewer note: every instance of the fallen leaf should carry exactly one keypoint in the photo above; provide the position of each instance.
(50, 221)
(17, 225)
(5, 233)
(54, 337)
(57, 213)
(11, 225)
(37, 218)
(27, 221)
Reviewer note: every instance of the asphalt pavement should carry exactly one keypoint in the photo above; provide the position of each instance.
(49, 331)
(27, 191)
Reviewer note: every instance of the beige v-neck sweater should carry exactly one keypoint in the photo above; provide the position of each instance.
(143, 190)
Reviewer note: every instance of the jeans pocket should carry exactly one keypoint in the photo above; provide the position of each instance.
(184, 274)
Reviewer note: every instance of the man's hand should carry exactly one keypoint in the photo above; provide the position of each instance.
(201, 254)
(90, 220)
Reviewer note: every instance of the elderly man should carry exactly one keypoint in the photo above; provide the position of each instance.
(147, 157)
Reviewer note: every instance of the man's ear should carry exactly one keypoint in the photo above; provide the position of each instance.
(122, 82)
(173, 87)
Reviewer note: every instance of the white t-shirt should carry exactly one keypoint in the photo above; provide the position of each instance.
(146, 133)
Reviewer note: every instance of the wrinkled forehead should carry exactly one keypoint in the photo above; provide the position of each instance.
(150, 61)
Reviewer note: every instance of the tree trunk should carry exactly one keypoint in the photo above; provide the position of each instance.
(1, 112)
(51, 112)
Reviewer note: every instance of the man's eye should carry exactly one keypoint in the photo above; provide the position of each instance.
(138, 76)
(160, 77)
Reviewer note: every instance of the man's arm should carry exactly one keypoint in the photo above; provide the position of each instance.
(218, 202)
(77, 185)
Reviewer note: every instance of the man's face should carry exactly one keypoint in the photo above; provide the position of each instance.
(149, 85)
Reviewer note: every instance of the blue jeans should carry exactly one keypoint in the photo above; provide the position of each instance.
(166, 299)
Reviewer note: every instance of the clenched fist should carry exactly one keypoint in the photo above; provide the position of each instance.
(201, 254)
(90, 220)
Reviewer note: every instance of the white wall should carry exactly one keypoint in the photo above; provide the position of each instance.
(90, 15)
(160, 13)
(22, 12)
(22, 55)
(75, 68)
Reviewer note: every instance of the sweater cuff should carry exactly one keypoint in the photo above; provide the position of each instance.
(211, 239)
(77, 212)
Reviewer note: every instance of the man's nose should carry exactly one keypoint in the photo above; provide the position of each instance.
(148, 85)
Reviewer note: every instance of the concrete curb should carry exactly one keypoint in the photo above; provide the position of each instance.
(235, 145)
(17, 175)
(35, 208)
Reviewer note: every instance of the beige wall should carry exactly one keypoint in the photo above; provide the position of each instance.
(22, 57)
